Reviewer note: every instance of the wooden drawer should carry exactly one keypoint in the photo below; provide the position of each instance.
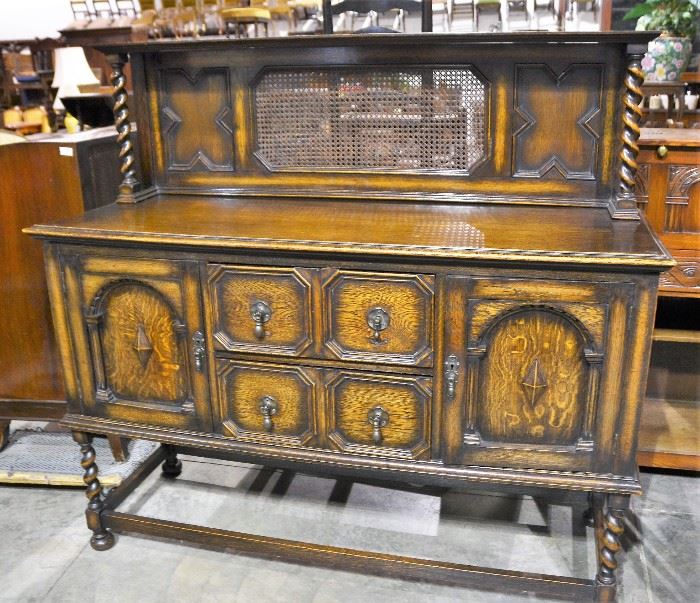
(267, 403)
(261, 310)
(375, 317)
(379, 415)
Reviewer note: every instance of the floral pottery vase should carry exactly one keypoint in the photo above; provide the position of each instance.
(666, 59)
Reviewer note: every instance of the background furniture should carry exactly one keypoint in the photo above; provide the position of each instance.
(270, 289)
(378, 6)
(54, 177)
(668, 190)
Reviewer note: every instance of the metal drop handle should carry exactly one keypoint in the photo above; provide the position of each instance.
(377, 320)
(268, 408)
(260, 313)
(378, 418)
(198, 351)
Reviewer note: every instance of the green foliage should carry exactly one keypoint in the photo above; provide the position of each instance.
(673, 17)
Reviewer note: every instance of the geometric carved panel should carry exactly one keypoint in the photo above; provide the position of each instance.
(143, 357)
(683, 199)
(563, 138)
(533, 380)
(197, 135)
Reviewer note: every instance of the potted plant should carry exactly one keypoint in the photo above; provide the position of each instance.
(668, 54)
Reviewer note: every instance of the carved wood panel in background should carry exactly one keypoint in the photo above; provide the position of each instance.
(533, 380)
(197, 136)
(641, 185)
(141, 347)
(557, 140)
(683, 199)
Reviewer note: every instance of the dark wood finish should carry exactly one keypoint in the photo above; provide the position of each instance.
(280, 294)
(668, 191)
(54, 177)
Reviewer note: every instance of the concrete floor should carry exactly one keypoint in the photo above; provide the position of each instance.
(45, 556)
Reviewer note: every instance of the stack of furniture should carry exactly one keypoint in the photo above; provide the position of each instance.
(378, 256)
(48, 178)
(668, 191)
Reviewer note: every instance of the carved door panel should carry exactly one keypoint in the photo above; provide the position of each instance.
(138, 325)
(529, 368)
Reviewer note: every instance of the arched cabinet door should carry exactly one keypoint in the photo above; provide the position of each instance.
(138, 324)
(532, 370)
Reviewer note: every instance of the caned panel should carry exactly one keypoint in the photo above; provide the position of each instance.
(347, 119)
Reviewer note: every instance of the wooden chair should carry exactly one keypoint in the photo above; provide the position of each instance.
(241, 17)
(480, 6)
(425, 7)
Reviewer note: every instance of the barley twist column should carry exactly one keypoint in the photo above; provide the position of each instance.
(102, 539)
(123, 125)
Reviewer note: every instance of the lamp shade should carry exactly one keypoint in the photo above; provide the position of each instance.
(71, 71)
(71, 68)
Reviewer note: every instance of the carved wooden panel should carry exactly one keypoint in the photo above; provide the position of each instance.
(401, 305)
(197, 136)
(263, 310)
(144, 355)
(267, 403)
(533, 380)
(403, 404)
(641, 185)
(684, 276)
(562, 139)
(683, 199)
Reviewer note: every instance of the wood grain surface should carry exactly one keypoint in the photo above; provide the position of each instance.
(407, 302)
(134, 317)
(532, 381)
(234, 290)
(243, 386)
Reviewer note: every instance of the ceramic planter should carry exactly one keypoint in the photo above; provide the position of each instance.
(666, 59)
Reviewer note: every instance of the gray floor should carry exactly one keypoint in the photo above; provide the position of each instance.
(45, 556)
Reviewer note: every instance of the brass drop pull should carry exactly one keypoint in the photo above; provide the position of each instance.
(268, 408)
(378, 320)
(451, 373)
(198, 351)
(378, 418)
(661, 151)
(261, 313)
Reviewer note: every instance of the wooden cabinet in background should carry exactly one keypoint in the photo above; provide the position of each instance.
(48, 178)
(668, 190)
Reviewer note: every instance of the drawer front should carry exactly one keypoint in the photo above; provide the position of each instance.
(379, 415)
(684, 277)
(267, 403)
(533, 371)
(376, 317)
(136, 324)
(260, 310)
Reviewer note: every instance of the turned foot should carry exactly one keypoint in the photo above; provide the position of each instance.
(172, 466)
(102, 539)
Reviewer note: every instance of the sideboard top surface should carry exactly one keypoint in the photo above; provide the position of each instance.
(378, 40)
(401, 229)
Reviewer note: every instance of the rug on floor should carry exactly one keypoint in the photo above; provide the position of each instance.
(53, 459)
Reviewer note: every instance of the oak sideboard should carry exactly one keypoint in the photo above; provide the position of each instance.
(417, 258)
